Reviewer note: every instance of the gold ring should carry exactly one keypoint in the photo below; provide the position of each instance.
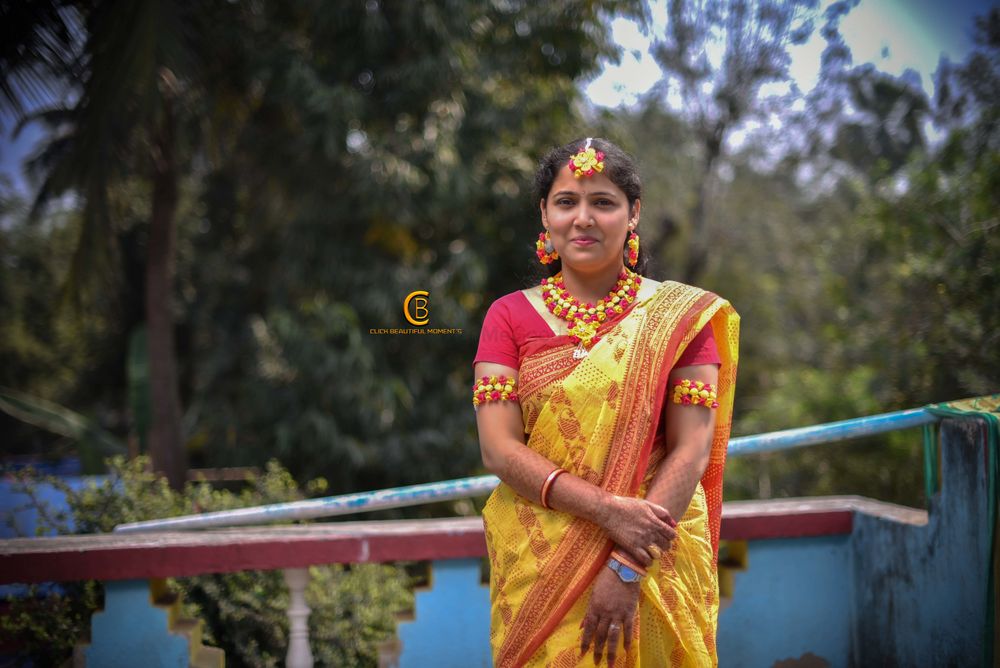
(655, 551)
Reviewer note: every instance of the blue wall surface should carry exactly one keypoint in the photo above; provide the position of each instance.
(794, 598)
(891, 593)
(921, 590)
(452, 625)
(19, 518)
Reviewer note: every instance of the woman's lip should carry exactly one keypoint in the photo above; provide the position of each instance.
(583, 241)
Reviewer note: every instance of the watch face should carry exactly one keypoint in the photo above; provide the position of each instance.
(624, 572)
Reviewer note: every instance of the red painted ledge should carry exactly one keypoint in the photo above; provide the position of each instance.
(179, 554)
(811, 516)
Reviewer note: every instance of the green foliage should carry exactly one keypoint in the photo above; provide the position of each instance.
(354, 152)
(59, 355)
(716, 101)
(353, 610)
(392, 165)
(335, 157)
(245, 613)
(866, 279)
(46, 623)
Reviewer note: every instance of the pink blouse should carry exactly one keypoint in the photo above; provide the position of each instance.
(512, 322)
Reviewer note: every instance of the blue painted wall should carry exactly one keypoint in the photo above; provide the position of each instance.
(889, 594)
(794, 598)
(452, 624)
(921, 591)
(130, 632)
(18, 518)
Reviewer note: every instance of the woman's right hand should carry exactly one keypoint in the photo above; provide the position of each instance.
(637, 524)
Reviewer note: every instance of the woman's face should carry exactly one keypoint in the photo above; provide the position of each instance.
(588, 220)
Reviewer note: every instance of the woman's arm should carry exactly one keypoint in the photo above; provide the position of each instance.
(611, 611)
(632, 523)
(689, 431)
(501, 441)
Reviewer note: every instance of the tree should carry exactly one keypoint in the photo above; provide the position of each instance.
(968, 93)
(36, 38)
(936, 244)
(858, 120)
(124, 79)
(367, 149)
(393, 154)
(717, 97)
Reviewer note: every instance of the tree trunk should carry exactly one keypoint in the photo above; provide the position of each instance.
(165, 439)
(698, 248)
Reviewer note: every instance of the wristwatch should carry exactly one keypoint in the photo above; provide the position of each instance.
(624, 572)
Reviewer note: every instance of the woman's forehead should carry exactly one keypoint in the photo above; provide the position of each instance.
(566, 182)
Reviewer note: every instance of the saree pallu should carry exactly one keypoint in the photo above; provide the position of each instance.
(598, 418)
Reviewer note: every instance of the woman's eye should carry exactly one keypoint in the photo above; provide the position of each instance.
(564, 201)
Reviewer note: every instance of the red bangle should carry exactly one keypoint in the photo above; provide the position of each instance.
(547, 486)
(616, 554)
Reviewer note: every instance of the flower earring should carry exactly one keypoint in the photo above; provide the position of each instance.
(632, 249)
(544, 249)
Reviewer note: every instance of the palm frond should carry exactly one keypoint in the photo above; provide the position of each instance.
(58, 419)
(39, 40)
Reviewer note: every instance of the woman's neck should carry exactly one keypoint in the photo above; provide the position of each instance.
(593, 286)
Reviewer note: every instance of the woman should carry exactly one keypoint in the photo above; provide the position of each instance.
(603, 403)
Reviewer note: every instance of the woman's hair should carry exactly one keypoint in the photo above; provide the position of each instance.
(619, 167)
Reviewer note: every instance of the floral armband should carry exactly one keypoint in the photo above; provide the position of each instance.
(494, 388)
(695, 392)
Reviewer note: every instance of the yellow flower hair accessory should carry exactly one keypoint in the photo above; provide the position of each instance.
(587, 161)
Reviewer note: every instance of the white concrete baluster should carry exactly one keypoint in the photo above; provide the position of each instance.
(299, 653)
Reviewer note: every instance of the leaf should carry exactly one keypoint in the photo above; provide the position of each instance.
(60, 420)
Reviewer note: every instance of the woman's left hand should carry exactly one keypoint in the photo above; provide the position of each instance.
(611, 613)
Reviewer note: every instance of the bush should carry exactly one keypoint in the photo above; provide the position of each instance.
(353, 607)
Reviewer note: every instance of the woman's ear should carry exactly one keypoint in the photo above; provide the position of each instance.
(541, 209)
(634, 218)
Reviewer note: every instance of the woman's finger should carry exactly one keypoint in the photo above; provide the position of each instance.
(589, 623)
(668, 532)
(641, 556)
(660, 542)
(614, 632)
(627, 632)
(662, 513)
(600, 637)
(659, 526)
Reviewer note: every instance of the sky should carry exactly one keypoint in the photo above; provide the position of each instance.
(895, 35)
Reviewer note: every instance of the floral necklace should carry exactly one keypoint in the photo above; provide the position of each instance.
(584, 319)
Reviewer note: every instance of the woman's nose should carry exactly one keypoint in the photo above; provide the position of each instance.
(583, 217)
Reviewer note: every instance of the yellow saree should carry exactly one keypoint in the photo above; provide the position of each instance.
(598, 418)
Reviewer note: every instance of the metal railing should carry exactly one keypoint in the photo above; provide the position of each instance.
(462, 488)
